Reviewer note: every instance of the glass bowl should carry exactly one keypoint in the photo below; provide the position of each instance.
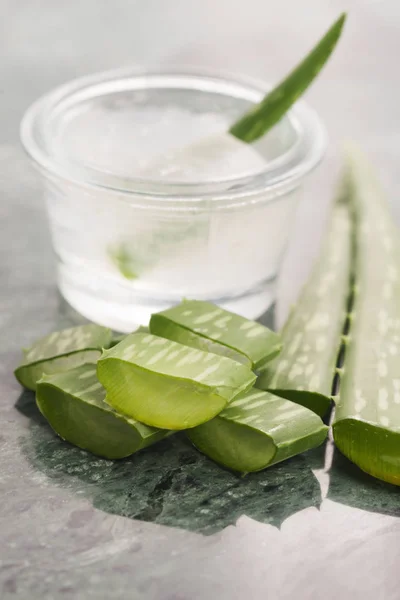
(140, 220)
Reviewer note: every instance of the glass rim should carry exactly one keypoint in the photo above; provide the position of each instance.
(281, 174)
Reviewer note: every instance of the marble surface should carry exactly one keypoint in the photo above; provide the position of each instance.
(168, 524)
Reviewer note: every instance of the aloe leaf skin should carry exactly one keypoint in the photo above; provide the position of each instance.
(207, 327)
(258, 430)
(74, 405)
(312, 335)
(165, 384)
(272, 108)
(366, 427)
(60, 351)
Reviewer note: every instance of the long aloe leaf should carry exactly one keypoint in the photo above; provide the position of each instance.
(304, 370)
(208, 327)
(168, 385)
(74, 405)
(367, 421)
(61, 351)
(258, 430)
(271, 109)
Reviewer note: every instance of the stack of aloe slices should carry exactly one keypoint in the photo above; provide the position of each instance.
(145, 387)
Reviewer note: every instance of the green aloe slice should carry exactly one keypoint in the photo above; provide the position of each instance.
(271, 109)
(207, 327)
(168, 385)
(312, 335)
(61, 351)
(366, 428)
(258, 430)
(74, 405)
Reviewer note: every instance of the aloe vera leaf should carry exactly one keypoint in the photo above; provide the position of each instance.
(258, 430)
(165, 384)
(366, 427)
(74, 405)
(276, 103)
(60, 351)
(312, 335)
(207, 327)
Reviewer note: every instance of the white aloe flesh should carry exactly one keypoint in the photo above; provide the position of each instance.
(258, 430)
(60, 351)
(74, 405)
(304, 370)
(366, 427)
(207, 327)
(165, 384)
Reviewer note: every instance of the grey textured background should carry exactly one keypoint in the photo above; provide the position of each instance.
(59, 539)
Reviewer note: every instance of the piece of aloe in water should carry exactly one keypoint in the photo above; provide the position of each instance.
(74, 405)
(366, 427)
(60, 351)
(207, 327)
(312, 335)
(272, 108)
(124, 261)
(168, 385)
(257, 430)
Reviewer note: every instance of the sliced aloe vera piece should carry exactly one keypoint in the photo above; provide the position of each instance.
(271, 109)
(258, 430)
(60, 351)
(74, 405)
(207, 327)
(312, 335)
(168, 385)
(366, 428)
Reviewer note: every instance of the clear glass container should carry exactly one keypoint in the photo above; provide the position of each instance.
(149, 200)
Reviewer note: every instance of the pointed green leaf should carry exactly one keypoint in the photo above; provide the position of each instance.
(74, 405)
(271, 109)
(207, 327)
(258, 430)
(312, 336)
(168, 385)
(60, 351)
(367, 419)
